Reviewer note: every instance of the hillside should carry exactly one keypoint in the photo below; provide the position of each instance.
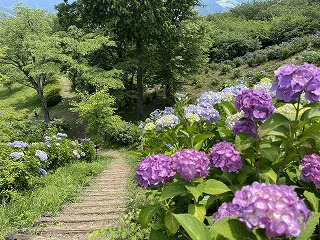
(7, 5)
(210, 6)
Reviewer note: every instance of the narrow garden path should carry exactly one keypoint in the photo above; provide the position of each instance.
(100, 206)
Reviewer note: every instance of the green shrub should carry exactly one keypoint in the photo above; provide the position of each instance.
(52, 94)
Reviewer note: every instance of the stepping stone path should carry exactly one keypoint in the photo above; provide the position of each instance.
(100, 206)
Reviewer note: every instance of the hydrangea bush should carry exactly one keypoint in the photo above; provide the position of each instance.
(21, 163)
(251, 174)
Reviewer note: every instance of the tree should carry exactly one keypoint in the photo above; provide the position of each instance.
(30, 51)
(78, 62)
(138, 22)
(181, 54)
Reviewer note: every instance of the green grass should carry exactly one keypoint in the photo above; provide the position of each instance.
(20, 97)
(51, 192)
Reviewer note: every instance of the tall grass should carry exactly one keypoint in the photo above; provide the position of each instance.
(61, 186)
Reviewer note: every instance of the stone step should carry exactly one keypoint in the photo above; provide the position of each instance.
(96, 204)
(75, 219)
(72, 229)
(88, 211)
(99, 198)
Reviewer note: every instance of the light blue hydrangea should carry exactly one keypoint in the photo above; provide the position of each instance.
(167, 120)
(16, 155)
(203, 110)
(76, 153)
(264, 86)
(62, 135)
(18, 144)
(43, 156)
(210, 97)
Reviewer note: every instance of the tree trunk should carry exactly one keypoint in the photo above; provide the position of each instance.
(43, 100)
(139, 79)
(168, 93)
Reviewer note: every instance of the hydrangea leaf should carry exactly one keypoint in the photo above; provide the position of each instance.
(193, 226)
(310, 226)
(269, 173)
(197, 210)
(174, 189)
(270, 153)
(196, 191)
(146, 214)
(272, 123)
(310, 114)
(312, 132)
(156, 235)
(215, 187)
(232, 229)
(171, 223)
(228, 107)
(312, 199)
(243, 141)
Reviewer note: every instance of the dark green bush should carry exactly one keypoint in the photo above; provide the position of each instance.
(52, 94)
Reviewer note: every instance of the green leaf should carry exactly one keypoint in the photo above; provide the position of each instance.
(197, 210)
(146, 214)
(312, 199)
(171, 223)
(268, 171)
(243, 141)
(232, 229)
(311, 225)
(270, 153)
(312, 105)
(156, 235)
(196, 191)
(309, 114)
(202, 137)
(228, 107)
(273, 122)
(174, 189)
(196, 229)
(215, 187)
(312, 132)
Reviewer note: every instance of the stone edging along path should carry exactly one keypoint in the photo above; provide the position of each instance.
(100, 206)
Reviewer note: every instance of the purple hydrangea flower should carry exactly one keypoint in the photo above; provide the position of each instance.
(42, 172)
(244, 125)
(223, 155)
(275, 208)
(43, 156)
(313, 88)
(190, 163)
(154, 170)
(311, 169)
(18, 144)
(227, 210)
(256, 104)
(292, 80)
(16, 155)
